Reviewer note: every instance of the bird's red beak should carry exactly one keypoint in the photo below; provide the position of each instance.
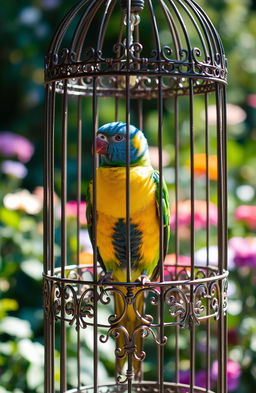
(101, 146)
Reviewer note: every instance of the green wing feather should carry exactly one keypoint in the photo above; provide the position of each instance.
(89, 214)
(166, 216)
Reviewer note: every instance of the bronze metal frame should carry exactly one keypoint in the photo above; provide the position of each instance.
(191, 294)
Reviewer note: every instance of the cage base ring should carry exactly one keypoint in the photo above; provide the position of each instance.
(142, 387)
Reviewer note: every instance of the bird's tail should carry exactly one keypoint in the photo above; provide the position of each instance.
(130, 321)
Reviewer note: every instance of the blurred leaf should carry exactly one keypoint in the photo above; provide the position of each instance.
(7, 305)
(235, 154)
(33, 268)
(10, 218)
(35, 376)
(33, 352)
(15, 327)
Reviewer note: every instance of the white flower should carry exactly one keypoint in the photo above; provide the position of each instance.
(23, 200)
(201, 257)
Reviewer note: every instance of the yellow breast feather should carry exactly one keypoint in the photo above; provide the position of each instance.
(111, 190)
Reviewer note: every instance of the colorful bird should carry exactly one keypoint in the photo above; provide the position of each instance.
(144, 220)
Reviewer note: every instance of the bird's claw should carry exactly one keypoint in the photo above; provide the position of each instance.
(105, 277)
(143, 279)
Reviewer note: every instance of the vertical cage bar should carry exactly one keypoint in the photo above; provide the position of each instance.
(224, 113)
(221, 239)
(47, 330)
(208, 322)
(128, 207)
(51, 231)
(51, 177)
(46, 176)
(63, 341)
(177, 147)
(78, 191)
(225, 178)
(192, 237)
(128, 109)
(94, 227)
(161, 245)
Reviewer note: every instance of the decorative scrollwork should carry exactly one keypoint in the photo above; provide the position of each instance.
(166, 52)
(159, 62)
(154, 301)
(70, 306)
(177, 303)
(47, 298)
(119, 50)
(225, 296)
(200, 293)
(214, 291)
(135, 50)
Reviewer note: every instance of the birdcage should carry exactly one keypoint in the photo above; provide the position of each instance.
(158, 65)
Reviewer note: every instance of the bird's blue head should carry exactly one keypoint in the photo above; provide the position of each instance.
(111, 145)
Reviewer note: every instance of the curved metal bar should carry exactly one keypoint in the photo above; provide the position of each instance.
(103, 26)
(195, 25)
(213, 29)
(149, 387)
(83, 27)
(183, 27)
(173, 29)
(138, 285)
(205, 27)
(155, 28)
(58, 36)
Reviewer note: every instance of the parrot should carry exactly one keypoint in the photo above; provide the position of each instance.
(111, 220)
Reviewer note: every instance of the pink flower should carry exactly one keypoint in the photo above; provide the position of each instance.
(15, 145)
(170, 270)
(247, 214)
(251, 100)
(233, 374)
(200, 216)
(71, 211)
(39, 192)
(244, 251)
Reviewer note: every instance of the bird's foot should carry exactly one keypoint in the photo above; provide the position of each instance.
(143, 279)
(105, 277)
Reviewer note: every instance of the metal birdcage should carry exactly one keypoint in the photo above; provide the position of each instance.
(159, 65)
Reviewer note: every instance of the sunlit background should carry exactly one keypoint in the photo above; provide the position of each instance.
(26, 28)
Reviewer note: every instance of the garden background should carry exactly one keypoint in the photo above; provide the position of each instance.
(25, 31)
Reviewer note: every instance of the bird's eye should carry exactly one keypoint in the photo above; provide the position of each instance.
(118, 138)
(102, 136)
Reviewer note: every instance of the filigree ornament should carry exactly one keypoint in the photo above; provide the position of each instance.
(70, 306)
(214, 291)
(47, 298)
(129, 347)
(225, 296)
(75, 302)
(200, 294)
(65, 64)
(177, 303)
(153, 295)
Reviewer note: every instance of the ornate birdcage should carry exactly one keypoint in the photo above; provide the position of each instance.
(160, 66)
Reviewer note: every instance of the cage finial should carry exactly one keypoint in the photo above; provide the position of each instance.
(136, 5)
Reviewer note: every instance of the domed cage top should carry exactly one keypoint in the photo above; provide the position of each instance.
(144, 55)
(158, 65)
